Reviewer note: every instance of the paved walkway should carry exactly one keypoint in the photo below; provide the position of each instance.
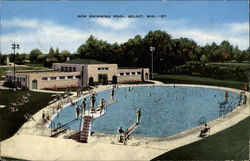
(32, 141)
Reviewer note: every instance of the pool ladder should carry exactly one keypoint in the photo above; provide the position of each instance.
(223, 109)
(58, 129)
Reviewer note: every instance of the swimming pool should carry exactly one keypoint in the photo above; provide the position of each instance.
(166, 110)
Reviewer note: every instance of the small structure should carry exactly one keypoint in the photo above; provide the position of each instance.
(8, 60)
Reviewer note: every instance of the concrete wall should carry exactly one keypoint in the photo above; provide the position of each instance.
(55, 83)
(94, 72)
(41, 84)
(131, 74)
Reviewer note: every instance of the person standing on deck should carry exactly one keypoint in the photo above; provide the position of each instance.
(84, 105)
(43, 117)
(120, 130)
(138, 113)
(112, 93)
(102, 103)
(77, 111)
(92, 99)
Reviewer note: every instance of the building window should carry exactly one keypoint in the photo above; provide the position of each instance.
(138, 72)
(121, 73)
(133, 73)
(74, 69)
(44, 78)
(70, 77)
(52, 78)
(78, 76)
(62, 69)
(62, 77)
(70, 69)
(23, 79)
(127, 73)
(105, 68)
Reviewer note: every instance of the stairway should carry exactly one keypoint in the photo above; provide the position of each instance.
(85, 131)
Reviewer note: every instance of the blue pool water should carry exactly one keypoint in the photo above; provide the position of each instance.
(166, 110)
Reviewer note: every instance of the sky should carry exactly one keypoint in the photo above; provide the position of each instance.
(45, 24)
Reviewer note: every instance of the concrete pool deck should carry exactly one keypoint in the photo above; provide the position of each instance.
(32, 142)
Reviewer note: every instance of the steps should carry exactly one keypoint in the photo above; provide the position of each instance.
(85, 131)
(86, 124)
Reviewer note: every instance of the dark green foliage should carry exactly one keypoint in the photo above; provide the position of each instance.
(9, 84)
(34, 55)
(217, 71)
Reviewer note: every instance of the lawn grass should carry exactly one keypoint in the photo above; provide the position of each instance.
(243, 66)
(35, 65)
(184, 79)
(229, 144)
(10, 122)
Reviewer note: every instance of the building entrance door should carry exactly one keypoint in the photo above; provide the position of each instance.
(114, 79)
(91, 81)
(103, 79)
(146, 76)
(34, 84)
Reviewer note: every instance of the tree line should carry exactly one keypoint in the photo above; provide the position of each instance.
(37, 57)
(168, 53)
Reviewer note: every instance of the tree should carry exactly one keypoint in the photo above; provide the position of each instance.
(65, 54)
(51, 52)
(95, 49)
(203, 59)
(34, 55)
(163, 48)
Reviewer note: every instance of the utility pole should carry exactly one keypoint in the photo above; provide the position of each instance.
(14, 47)
(152, 49)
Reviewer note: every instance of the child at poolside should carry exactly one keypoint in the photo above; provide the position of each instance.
(204, 131)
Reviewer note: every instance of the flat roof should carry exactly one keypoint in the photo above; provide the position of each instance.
(41, 72)
(84, 61)
(130, 68)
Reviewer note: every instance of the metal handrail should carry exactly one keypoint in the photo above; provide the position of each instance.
(202, 121)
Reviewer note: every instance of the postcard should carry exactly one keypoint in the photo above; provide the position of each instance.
(124, 80)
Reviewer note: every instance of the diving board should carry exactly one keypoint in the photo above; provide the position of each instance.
(128, 132)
